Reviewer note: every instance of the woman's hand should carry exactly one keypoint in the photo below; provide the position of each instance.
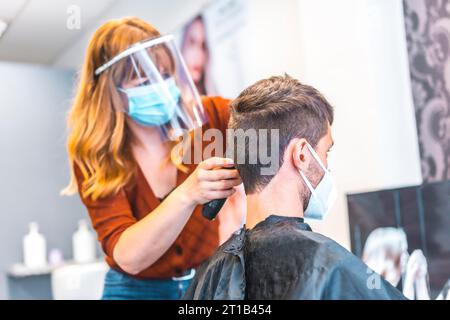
(211, 181)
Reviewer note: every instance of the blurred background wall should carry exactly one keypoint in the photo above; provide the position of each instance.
(33, 167)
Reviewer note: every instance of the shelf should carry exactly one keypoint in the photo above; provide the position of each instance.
(19, 270)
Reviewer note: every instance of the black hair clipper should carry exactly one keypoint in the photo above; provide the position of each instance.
(212, 208)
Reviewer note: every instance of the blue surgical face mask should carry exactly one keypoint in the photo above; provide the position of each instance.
(147, 106)
(323, 196)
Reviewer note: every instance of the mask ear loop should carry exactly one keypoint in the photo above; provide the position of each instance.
(313, 152)
(307, 182)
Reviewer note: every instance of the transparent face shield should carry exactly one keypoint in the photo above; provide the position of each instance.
(157, 87)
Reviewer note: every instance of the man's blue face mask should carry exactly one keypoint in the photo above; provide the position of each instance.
(323, 195)
(147, 107)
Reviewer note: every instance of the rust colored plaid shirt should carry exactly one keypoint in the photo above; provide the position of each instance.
(113, 215)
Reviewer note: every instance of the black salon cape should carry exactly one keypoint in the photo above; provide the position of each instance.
(281, 258)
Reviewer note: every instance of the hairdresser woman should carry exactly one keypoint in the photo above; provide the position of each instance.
(134, 100)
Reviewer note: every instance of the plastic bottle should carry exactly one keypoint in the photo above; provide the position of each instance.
(34, 248)
(83, 243)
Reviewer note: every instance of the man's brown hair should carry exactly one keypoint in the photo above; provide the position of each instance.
(283, 103)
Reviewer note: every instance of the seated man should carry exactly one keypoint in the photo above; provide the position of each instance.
(279, 256)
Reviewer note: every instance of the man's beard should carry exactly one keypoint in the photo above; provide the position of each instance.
(314, 176)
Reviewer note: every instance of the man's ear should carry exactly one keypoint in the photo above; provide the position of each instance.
(300, 154)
